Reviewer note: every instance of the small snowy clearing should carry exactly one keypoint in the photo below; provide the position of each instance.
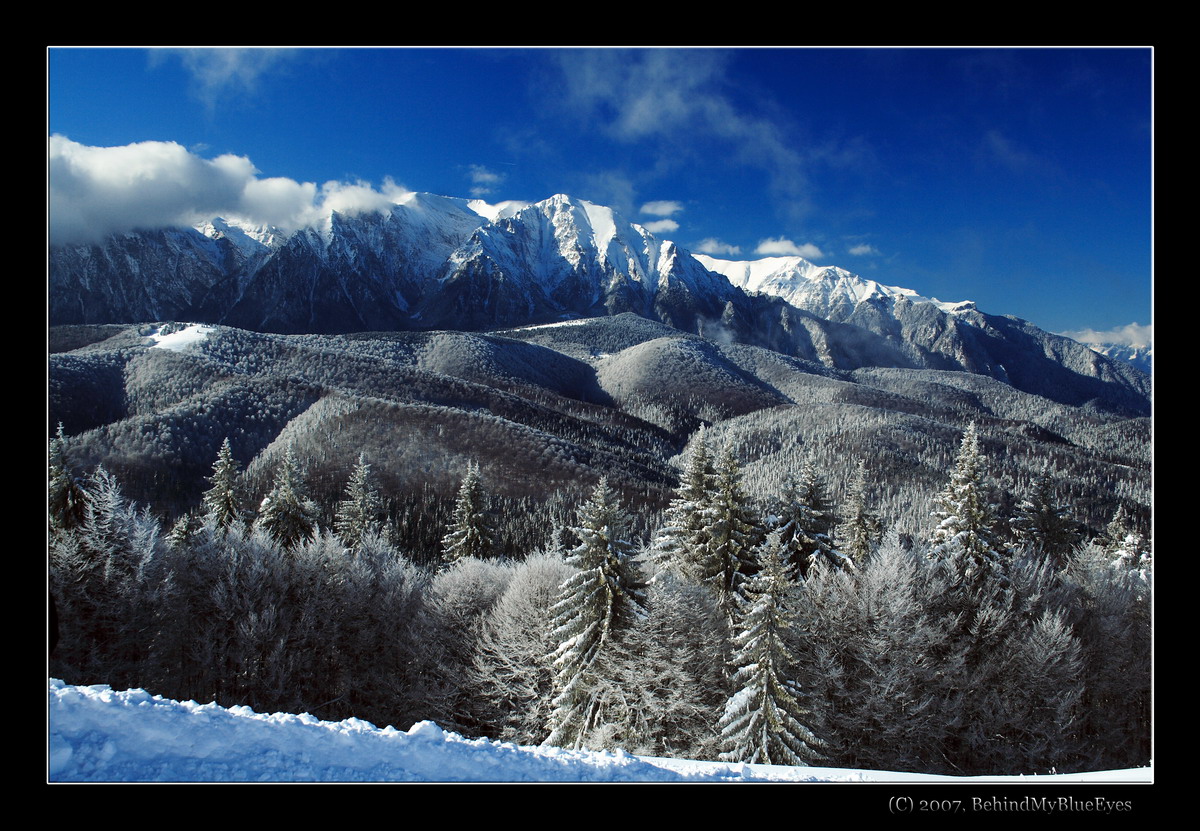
(179, 340)
(97, 734)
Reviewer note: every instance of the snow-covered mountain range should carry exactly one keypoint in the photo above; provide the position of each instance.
(1132, 344)
(828, 291)
(434, 262)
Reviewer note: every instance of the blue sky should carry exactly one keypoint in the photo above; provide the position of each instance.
(1017, 178)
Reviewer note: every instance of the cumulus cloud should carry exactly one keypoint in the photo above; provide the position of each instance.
(1133, 334)
(864, 250)
(97, 191)
(483, 181)
(782, 247)
(714, 247)
(662, 207)
(662, 226)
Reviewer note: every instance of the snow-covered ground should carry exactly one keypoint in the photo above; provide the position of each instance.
(97, 734)
(180, 340)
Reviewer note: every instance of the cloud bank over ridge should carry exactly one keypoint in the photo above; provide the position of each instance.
(97, 191)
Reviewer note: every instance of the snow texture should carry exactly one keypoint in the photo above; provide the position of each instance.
(819, 289)
(97, 734)
(178, 341)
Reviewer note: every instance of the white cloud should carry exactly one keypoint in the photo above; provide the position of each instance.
(612, 188)
(782, 247)
(864, 250)
(484, 180)
(661, 226)
(662, 207)
(1133, 334)
(352, 198)
(714, 246)
(221, 72)
(96, 191)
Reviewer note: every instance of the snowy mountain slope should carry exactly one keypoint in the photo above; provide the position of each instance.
(937, 335)
(97, 734)
(1141, 357)
(433, 262)
(1132, 344)
(827, 291)
(566, 257)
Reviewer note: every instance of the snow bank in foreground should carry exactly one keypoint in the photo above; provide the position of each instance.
(101, 735)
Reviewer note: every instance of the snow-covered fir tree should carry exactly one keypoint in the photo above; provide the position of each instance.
(223, 501)
(603, 598)
(762, 719)
(65, 499)
(1131, 554)
(679, 543)
(1042, 524)
(860, 530)
(471, 533)
(286, 513)
(1126, 545)
(358, 514)
(803, 515)
(185, 530)
(728, 558)
(963, 542)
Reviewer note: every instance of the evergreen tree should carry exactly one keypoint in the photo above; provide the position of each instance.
(1117, 529)
(287, 514)
(185, 530)
(1132, 555)
(471, 533)
(803, 514)
(223, 501)
(358, 514)
(65, 497)
(1042, 525)
(962, 541)
(1127, 546)
(680, 541)
(600, 601)
(728, 558)
(860, 530)
(761, 722)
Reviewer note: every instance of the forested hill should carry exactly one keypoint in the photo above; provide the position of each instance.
(545, 411)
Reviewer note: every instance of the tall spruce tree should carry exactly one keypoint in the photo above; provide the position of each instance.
(963, 542)
(286, 513)
(1043, 526)
(358, 514)
(223, 501)
(65, 499)
(471, 533)
(679, 544)
(601, 600)
(728, 557)
(804, 516)
(860, 530)
(761, 722)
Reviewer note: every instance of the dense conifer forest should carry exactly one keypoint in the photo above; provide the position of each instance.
(637, 539)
